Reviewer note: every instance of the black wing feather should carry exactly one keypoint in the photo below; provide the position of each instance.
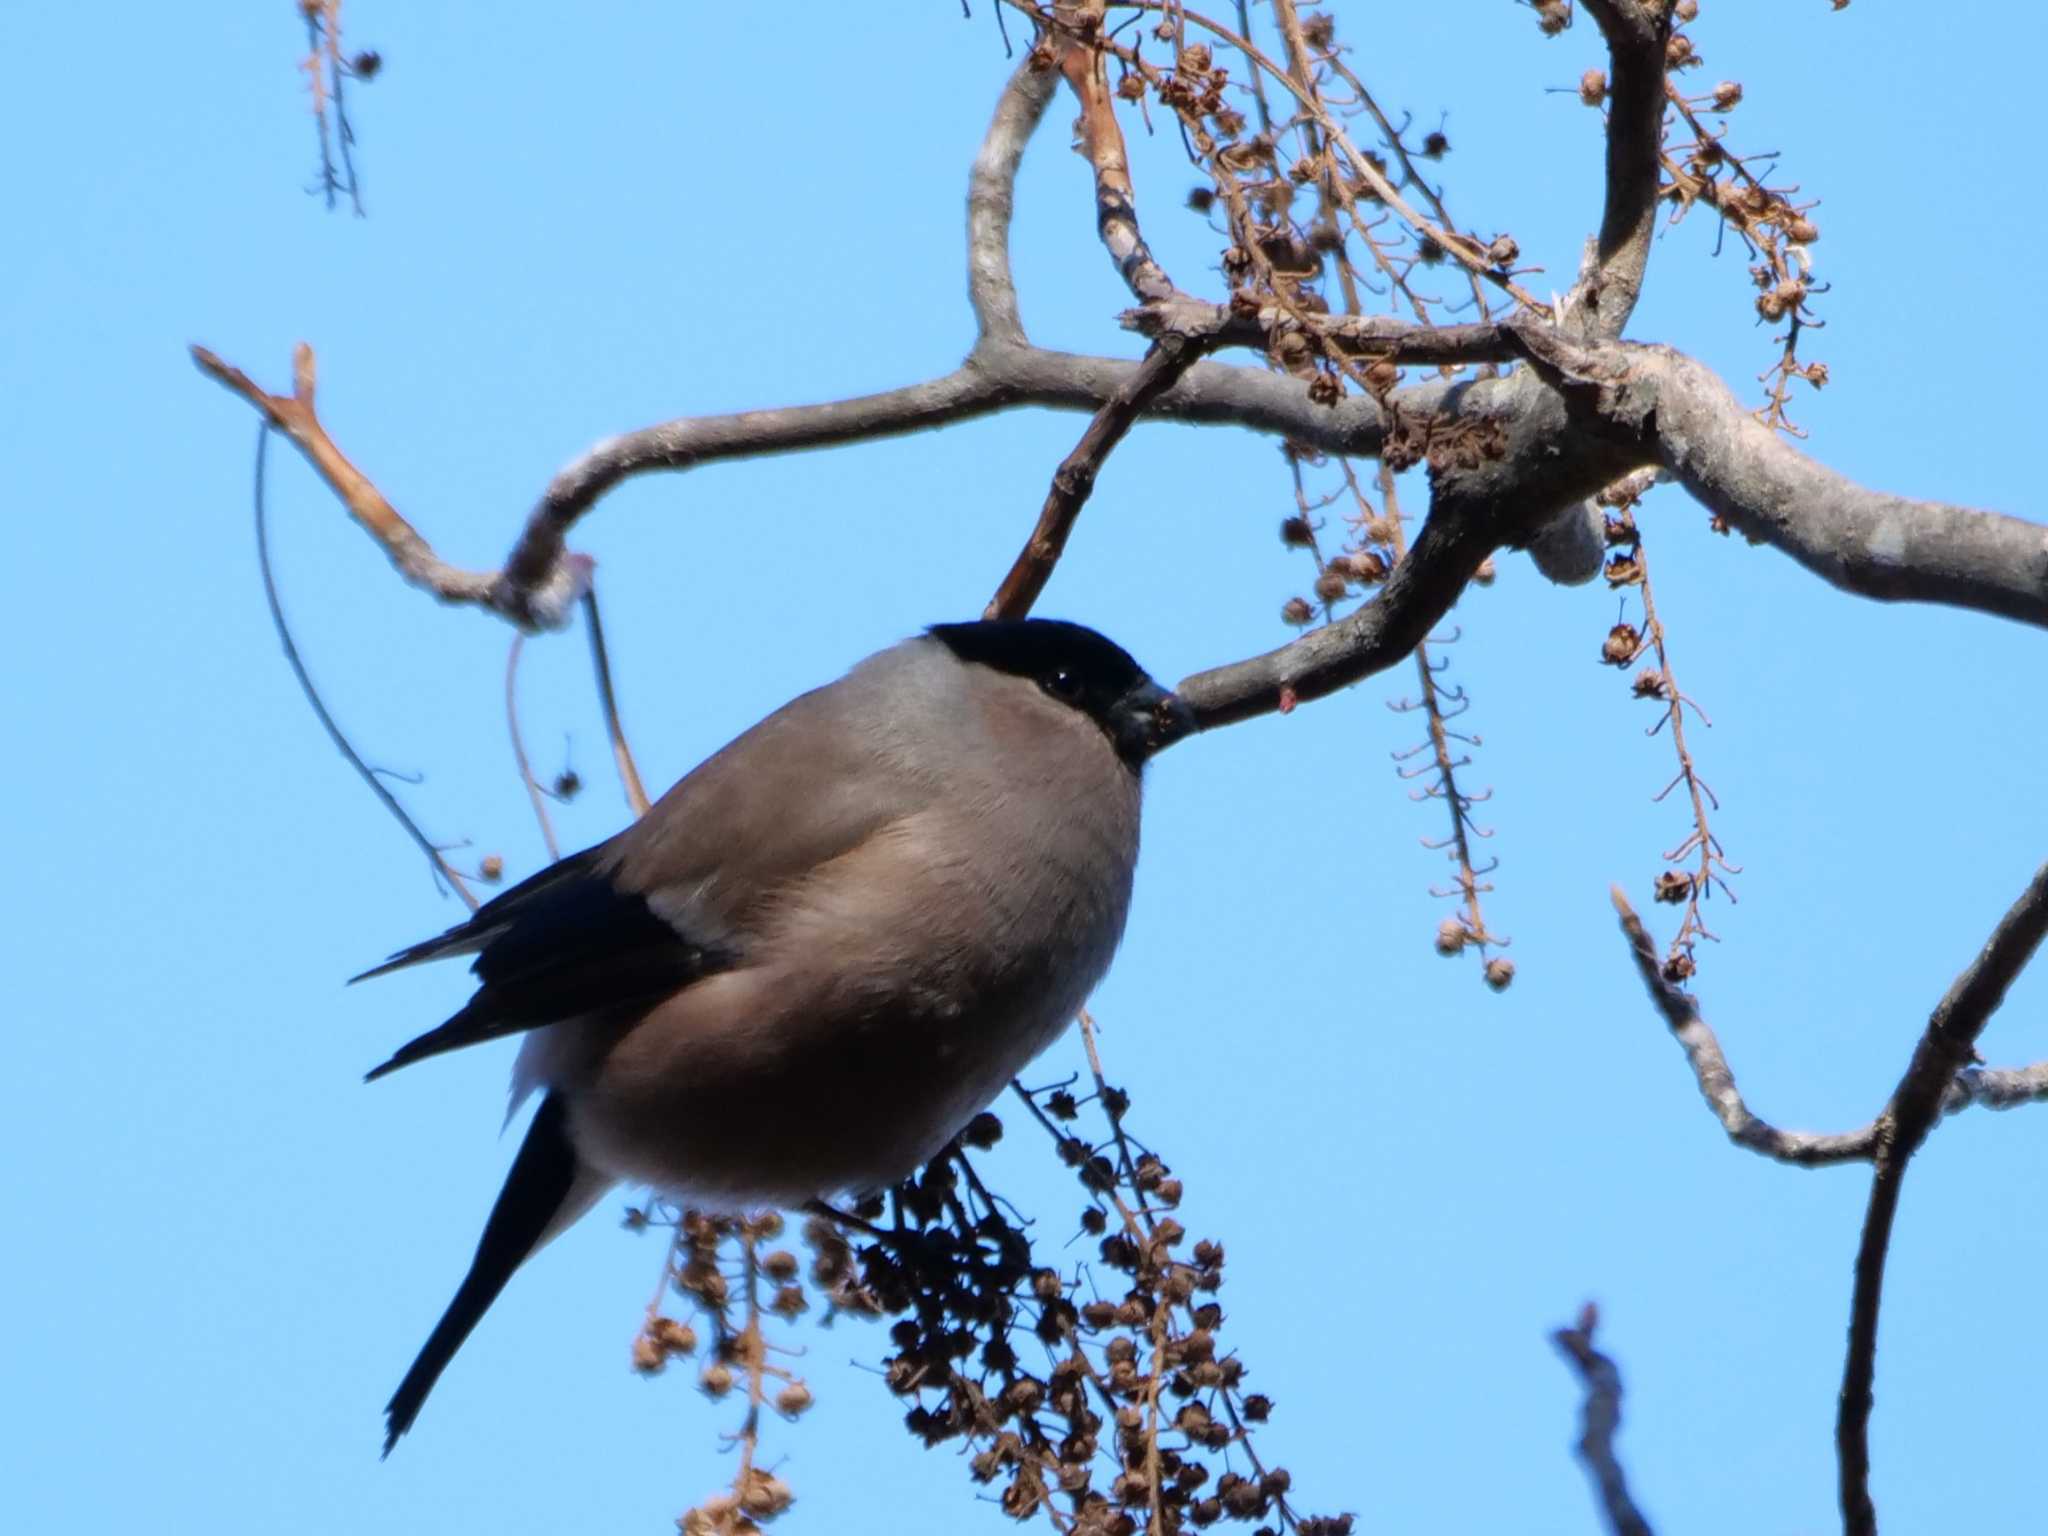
(567, 943)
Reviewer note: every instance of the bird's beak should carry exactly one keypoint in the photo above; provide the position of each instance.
(1153, 719)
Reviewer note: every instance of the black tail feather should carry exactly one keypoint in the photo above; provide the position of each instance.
(542, 1177)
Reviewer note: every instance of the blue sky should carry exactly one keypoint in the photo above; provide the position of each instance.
(224, 1249)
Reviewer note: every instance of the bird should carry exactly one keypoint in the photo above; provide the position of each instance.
(821, 953)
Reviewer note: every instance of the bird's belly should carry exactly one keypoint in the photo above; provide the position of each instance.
(742, 1118)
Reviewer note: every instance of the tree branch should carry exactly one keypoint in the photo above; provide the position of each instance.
(295, 417)
(601, 663)
(1662, 407)
(1606, 293)
(290, 646)
(1806, 1149)
(1116, 210)
(991, 200)
(1419, 591)
(1602, 1419)
(1170, 357)
(1920, 1099)
(1367, 336)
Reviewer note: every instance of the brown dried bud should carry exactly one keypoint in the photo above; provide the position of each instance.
(1727, 95)
(716, 1380)
(1678, 52)
(793, 1399)
(1297, 532)
(1486, 572)
(1258, 1408)
(1552, 16)
(1435, 146)
(1296, 611)
(1802, 230)
(491, 869)
(1201, 199)
(1241, 1497)
(1131, 87)
(1770, 306)
(1624, 569)
(1815, 374)
(1331, 585)
(1648, 684)
(366, 65)
(1593, 87)
(1673, 886)
(1381, 376)
(1687, 10)
(765, 1495)
(1326, 389)
(1621, 645)
(1678, 967)
(982, 1132)
(1500, 973)
(1503, 251)
(1451, 936)
(567, 783)
(674, 1338)
(648, 1356)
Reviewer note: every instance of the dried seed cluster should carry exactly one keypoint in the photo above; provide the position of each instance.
(1098, 1397)
(1628, 572)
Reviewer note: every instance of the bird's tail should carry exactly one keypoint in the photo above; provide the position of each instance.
(547, 1189)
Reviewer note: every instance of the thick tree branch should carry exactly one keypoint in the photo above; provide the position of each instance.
(1419, 592)
(1606, 292)
(1676, 412)
(1601, 1421)
(1948, 1044)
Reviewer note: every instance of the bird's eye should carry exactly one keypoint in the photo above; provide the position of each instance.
(1064, 684)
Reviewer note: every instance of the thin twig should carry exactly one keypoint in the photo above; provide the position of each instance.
(1602, 1419)
(1710, 1067)
(533, 793)
(600, 658)
(334, 733)
(1171, 356)
(1469, 883)
(1711, 866)
(1116, 209)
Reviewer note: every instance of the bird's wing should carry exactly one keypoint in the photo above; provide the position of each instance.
(613, 930)
(570, 942)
